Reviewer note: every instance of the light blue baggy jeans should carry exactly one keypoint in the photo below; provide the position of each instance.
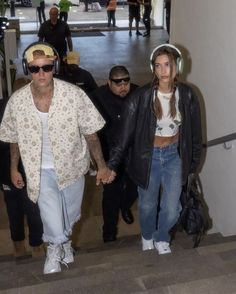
(59, 209)
(166, 173)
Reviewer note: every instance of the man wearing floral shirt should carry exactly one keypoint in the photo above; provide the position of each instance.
(53, 125)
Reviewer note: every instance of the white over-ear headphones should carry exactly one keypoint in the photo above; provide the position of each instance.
(179, 61)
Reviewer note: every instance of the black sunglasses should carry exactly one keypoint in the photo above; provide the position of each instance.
(45, 68)
(118, 81)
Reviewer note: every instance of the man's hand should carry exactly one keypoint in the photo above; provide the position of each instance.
(17, 179)
(105, 175)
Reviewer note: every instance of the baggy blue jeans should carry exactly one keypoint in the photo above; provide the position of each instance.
(159, 214)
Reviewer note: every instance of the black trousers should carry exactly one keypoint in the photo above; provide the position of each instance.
(41, 12)
(168, 11)
(18, 206)
(146, 18)
(86, 3)
(111, 18)
(63, 15)
(120, 194)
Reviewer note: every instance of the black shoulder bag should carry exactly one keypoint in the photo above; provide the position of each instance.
(192, 217)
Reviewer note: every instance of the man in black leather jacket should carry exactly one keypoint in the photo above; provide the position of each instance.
(122, 192)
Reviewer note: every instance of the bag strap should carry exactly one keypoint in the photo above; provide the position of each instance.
(197, 239)
(193, 182)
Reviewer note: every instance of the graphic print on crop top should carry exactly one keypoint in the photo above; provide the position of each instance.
(167, 126)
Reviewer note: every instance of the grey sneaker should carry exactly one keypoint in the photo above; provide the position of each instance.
(52, 263)
(68, 252)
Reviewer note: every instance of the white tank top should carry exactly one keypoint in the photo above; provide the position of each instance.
(47, 156)
(167, 126)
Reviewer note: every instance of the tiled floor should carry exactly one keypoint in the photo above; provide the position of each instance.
(98, 55)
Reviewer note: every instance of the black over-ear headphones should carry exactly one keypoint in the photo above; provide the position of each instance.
(56, 61)
(179, 61)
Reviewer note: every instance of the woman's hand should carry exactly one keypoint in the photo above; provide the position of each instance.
(105, 175)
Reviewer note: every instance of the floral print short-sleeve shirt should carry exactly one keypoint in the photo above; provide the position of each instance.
(71, 115)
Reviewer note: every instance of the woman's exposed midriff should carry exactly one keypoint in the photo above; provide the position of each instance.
(165, 141)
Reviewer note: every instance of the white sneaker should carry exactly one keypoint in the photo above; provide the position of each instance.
(147, 244)
(68, 252)
(162, 247)
(52, 263)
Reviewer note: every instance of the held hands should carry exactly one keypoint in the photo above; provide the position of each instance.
(17, 179)
(105, 175)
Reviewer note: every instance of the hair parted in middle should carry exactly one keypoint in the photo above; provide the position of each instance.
(173, 56)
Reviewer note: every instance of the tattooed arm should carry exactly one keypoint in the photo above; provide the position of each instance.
(16, 176)
(104, 174)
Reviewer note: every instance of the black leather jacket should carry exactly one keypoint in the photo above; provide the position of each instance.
(111, 107)
(138, 132)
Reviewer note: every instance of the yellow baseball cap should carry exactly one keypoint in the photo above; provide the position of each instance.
(39, 51)
(72, 57)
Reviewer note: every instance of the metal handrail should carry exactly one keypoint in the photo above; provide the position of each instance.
(220, 140)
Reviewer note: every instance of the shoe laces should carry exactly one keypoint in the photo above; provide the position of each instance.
(56, 254)
(162, 247)
(165, 245)
(67, 248)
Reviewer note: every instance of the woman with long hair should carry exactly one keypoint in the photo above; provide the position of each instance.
(162, 128)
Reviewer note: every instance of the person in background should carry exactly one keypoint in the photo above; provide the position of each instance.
(146, 16)
(18, 204)
(86, 3)
(111, 12)
(168, 12)
(41, 11)
(120, 195)
(76, 75)
(134, 13)
(57, 33)
(52, 124)
(64, 7)
(162, 127)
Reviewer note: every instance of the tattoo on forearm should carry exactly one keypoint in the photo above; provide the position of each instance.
(95, 149)
(15, 155)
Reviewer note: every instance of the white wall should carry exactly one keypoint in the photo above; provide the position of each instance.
(205, 29)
